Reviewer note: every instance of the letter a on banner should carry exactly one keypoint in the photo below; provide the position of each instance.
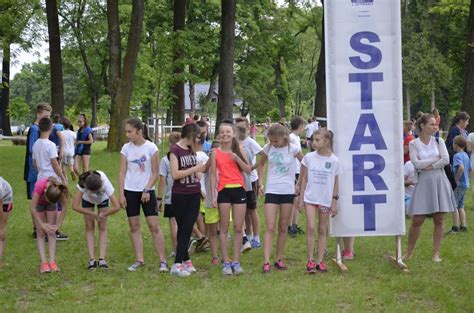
(364, 105)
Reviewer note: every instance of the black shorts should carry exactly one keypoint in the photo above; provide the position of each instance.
(87, 205)
(169, 213)
(232, 195)
(134, 202)
(7, 207)
(279, 199)
(251, 200)
(29, 190)
(86, 150)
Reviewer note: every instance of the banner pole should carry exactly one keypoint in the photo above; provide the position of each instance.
(338, 260)
(398, 259)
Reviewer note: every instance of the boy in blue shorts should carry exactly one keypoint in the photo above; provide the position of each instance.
(461, 168)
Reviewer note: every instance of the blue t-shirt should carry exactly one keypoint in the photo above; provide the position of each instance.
(29, 172)
(453, 132)
(54, 134)
(83, 135)
(458, 159)
(206, 147)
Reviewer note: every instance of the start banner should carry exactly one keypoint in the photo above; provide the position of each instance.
(364, 105)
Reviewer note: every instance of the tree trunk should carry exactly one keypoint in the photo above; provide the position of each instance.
(122, 85)
(55, 62)
(225, 100)
(433, 100)
(5, 88)
(468, 95)
(279, 87)
(408, 99)
(212, 81)
(179, 17)
(192, 99)
(320, 98)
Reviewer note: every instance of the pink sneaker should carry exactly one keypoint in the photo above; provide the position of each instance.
(311, 267)
(45, 268)
(266, 268)
(215, 261)
(321, 267)
(54, 267)
(347, 255)
(279, 265)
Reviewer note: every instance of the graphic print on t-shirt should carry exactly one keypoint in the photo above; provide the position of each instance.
(140, 162)
(188, 161)
(277, 158)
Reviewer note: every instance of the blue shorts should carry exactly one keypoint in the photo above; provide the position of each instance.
(459, 194)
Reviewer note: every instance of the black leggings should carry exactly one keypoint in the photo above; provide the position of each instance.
(185, 209)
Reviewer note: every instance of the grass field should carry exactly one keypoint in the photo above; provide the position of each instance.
(371, 284)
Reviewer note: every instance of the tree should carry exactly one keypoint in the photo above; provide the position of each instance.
(320, 105)
(468, 95)
(121, 82)
(225, 101)
(55, 61)
(179, 18)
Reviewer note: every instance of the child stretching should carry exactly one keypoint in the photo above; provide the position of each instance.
(185, 194)
(280, 190)
(319, 183)
(44, 203)
(139, 165)
(6, 205)
(95, 189)
(229, 161)
(165, 185)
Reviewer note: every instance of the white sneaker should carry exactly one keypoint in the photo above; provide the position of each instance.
(163, 267)
(178, 270)
(188, 266)
(192, 247)
(246, 247)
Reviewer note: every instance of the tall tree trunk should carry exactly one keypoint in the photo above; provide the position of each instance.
(122, 85)
(56, 66)
(433, 100)
(280, 86)
(192, 98)
(5, 88)
(212, 81)
(179, 17)
(468, 95)
(225, 100)
(320, 98)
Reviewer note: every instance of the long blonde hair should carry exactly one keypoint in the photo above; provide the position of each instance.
(54, 190)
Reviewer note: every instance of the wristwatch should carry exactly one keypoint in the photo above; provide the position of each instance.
(146, 190)
(336, 197)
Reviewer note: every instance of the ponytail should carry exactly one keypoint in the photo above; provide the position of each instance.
(235, 147)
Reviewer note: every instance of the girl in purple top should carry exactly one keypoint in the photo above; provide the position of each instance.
(185, 194)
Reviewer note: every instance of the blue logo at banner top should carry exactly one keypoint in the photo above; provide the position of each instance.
(362, 2)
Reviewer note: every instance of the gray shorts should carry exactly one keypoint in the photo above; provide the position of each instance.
(67, 160)
(459, 194)
(49, 207)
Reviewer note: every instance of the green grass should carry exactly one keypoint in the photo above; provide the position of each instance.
(371, 284)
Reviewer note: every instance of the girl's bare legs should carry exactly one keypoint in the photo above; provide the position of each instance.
(413, 233)
(238, 217)
(212, 234)
(438, 234)
(173, 232)
(310, 230)
(40, 239)
(51, 216)
(270, 211)
(77, 163)
(90, 227)
(157, 234)
(323, 233)
(85, 163)
(285, 215)
(3, 237)
(224, 216)
(136, 235)
(102, 239)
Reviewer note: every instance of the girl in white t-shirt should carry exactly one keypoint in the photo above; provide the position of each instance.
(67, 161)
(6, 205)
(95, 189)
(139, 171)
(280, 190)
(319, 183)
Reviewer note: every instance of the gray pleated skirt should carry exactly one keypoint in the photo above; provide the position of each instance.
(432, 194)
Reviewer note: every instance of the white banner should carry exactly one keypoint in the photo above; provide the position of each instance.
(364, 105)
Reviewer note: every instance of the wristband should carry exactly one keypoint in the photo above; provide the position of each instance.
(336, 197)
(159, 199)
(146, 190)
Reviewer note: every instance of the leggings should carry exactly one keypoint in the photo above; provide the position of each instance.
(186, 209)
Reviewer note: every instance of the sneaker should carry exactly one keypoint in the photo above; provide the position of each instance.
(321, 267)
(92, 265)
(463, 229)
(201, 243)
(135, 266)
(103, 264)
(436, 258)
(453, 231)
(311, 267)
(255, 244)
(246, 247)
(227, 269)
(215, 261)
(45, 268)
(61, 237)
(280, 265)
(291, 231)
(237, 268)
(54, 267)
(178, 270)
(347, 255)
(188, 266)
(192, 247)
(266, 268)
(163, 267)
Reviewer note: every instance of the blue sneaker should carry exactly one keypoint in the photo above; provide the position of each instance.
(255, 244)
(227, 269)
(237, 268)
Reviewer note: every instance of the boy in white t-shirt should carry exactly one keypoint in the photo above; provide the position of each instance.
(409, 174)
(297, 128)
(45, 154)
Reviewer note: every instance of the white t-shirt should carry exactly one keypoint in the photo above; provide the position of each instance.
(295, 139)
(281, 169)
(97, 197)
(165, 171)
(69, 139)
(253, 148)
(201, 156)
(6, 192)
(409, 173)
(139, 169)
(311, 128)
(322, 172)
(43, 151)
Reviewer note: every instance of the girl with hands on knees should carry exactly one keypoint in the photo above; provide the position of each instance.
(95, 189)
